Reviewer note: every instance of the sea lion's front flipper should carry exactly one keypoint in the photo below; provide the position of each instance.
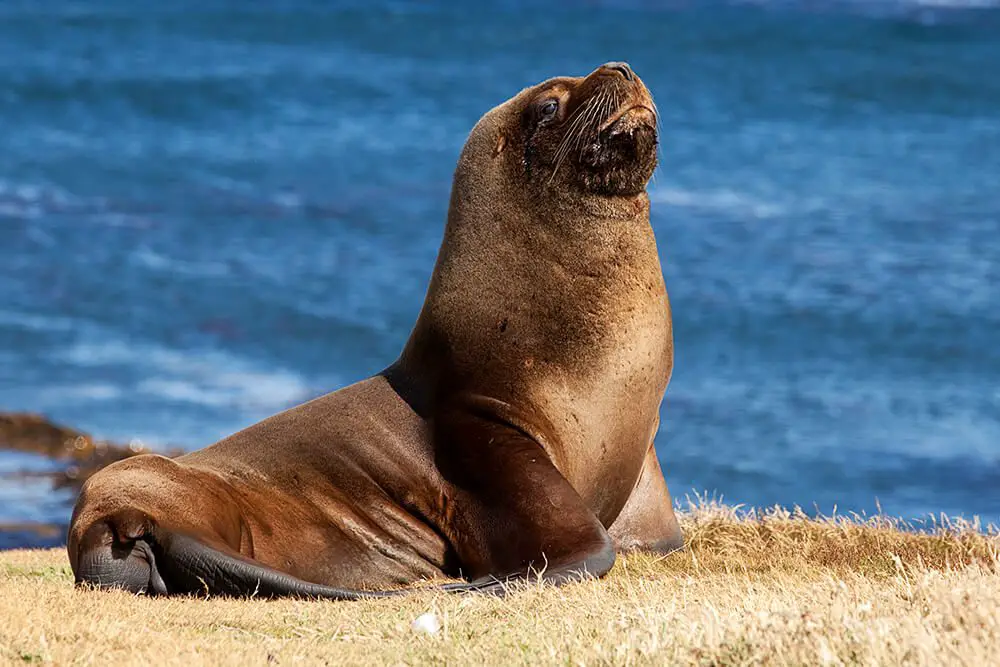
(647, 521)
(512, 515)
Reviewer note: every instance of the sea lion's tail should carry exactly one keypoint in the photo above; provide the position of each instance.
(123, 552)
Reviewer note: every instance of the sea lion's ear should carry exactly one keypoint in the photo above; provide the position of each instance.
(501, 144)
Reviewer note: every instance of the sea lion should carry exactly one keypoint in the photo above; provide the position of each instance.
(514, 434)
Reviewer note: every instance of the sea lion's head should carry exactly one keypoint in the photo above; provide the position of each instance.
(585, 136)
(596, 133)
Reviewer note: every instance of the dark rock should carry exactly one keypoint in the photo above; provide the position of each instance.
(84, 455)
(80, 455)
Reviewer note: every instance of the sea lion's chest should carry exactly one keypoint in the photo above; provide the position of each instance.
(581, 338)
(602, 402)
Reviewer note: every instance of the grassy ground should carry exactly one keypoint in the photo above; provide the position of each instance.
(769, 589)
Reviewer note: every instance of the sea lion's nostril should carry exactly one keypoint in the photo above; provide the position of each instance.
(622, 68)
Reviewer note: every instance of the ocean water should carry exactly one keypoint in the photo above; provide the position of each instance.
(210, 212)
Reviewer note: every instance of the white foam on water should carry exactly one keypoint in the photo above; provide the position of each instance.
(31, 322)
(31, 201)
(889, 414)
(103, 353)
(13, 462)
(246, 388)
(172, 265)
(96, 391)
(31, 499)
(33, 194)
(20, 211)
(729, 202)
(876, 5)
(212, 378)
(948, 4)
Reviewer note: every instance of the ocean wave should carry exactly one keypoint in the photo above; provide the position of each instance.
(26, 201)
(214, 195)
(875, 6)
(719, 201)
(199, 377)
(175, 266)
(34, 322)
(85, 392)
(938, 4)
(13, 462)
(31, 499)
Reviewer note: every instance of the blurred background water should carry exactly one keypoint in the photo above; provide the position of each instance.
(213, 211)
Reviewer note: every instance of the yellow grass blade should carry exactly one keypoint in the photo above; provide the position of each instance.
(772, 588)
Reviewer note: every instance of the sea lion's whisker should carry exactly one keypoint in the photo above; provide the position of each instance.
(591, 123)
(574, 122)
(577, 125)
(606, 105)
(581, 125)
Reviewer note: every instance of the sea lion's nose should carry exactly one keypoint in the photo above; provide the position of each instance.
(622, 68)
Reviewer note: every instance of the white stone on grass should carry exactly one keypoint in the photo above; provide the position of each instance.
(426, 623)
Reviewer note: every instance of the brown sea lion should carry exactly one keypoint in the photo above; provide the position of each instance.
(513, 435)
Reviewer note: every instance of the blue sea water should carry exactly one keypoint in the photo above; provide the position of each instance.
(213, 211)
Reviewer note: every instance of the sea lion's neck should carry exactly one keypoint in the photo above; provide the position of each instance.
(590, 235)
(519, 283)
(540, 241)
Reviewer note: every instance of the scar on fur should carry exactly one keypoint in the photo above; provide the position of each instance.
(501, 143)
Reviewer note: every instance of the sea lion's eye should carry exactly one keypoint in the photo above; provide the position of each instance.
(549, 109)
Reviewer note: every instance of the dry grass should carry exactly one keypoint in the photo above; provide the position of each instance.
(774, 588)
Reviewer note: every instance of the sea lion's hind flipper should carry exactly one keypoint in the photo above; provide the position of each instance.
(190, 566)
(125, 551)
(113, 554)
(514, 516)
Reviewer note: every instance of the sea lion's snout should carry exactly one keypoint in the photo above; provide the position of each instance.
(628, 118)
(631, 103)
(622, 68)
(621, 157)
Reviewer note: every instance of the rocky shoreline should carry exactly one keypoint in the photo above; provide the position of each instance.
(78, 455)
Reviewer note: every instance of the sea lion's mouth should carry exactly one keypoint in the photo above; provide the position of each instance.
(622, 157)
(628, 118)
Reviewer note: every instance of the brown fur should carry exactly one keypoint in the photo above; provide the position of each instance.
(516, 429)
